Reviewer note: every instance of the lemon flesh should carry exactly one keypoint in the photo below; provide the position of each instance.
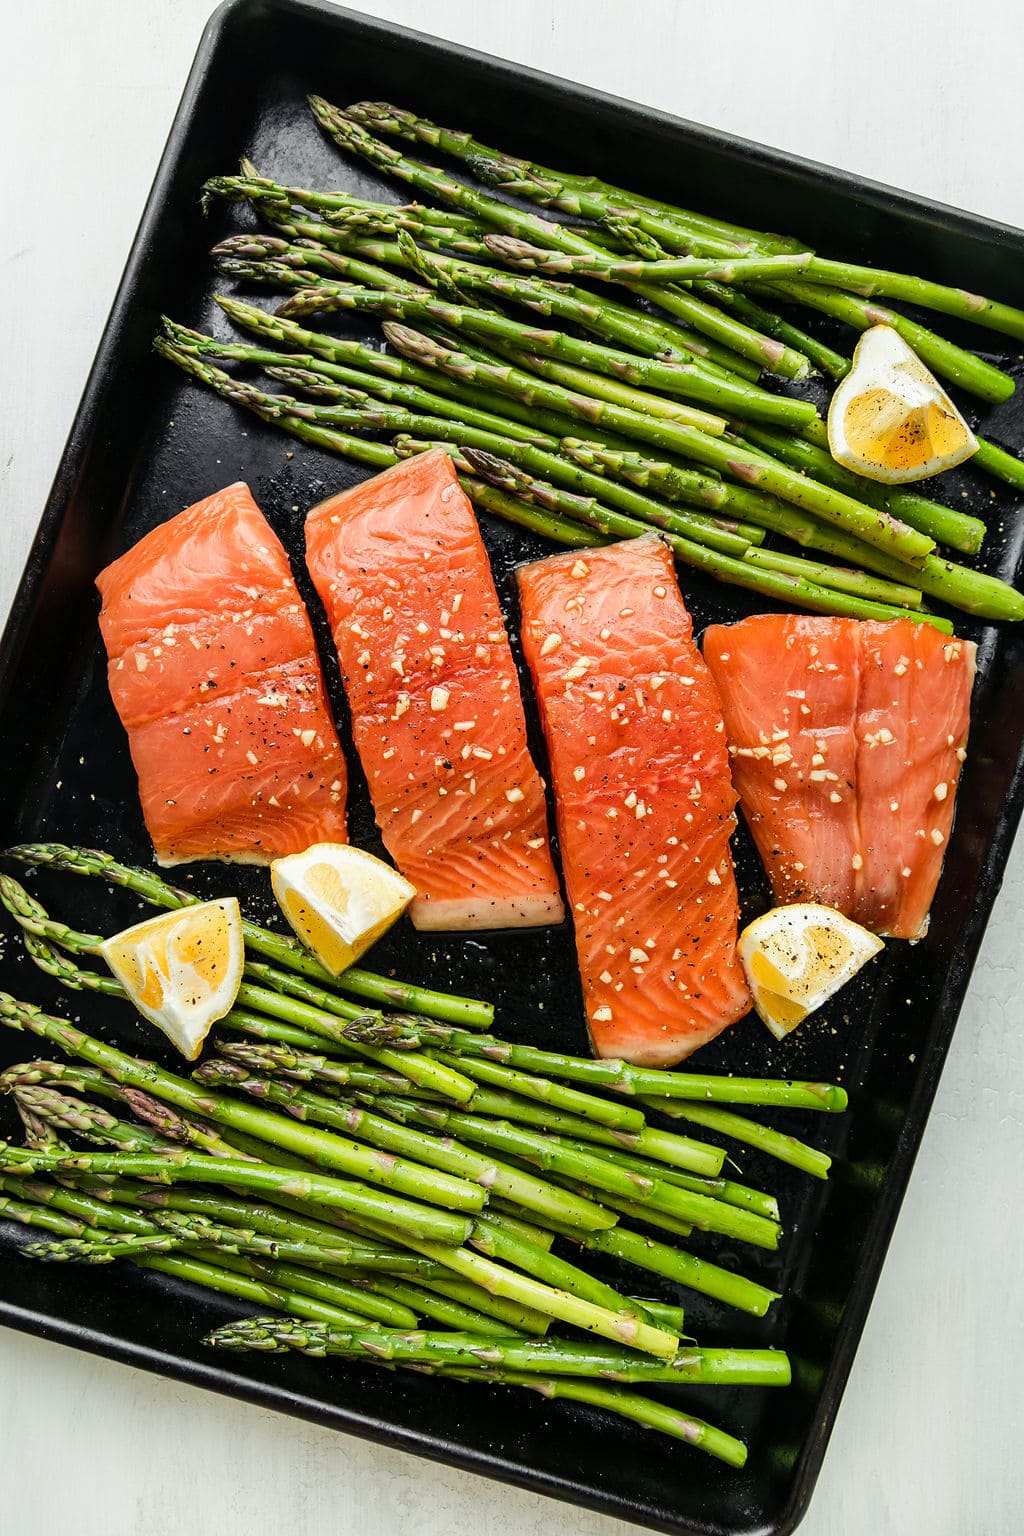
(182, 970)
(339, 900)
(797, 957)
(890, 419)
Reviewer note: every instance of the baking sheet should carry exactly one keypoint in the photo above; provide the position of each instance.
(146, 444)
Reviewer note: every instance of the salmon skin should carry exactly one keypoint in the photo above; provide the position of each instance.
(214, 672)
(644, 799)
(436, 711)
(846, 741)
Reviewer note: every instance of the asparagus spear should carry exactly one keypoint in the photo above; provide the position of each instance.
(864, 281)
(673, 1263)
(873, 526)
(545, 185)
(617, 1116)
(944, 524)
(685, 379)
(251, 187)
(502, 216)
(321, 374)
(803, 583)
(619, 1076)
(718, 1367)
(248, 1288)
(333, 349)
(786, 1149)
(282, 949)
(634, 329)
(973, 591)
(629, 1405)
(586, 1166)
(677, 339)
(388, 1213)
(319, 1147)
(530, 1193)
(941, 356)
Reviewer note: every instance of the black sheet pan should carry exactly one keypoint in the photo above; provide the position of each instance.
(146, 444)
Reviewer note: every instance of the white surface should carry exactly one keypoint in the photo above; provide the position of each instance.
(923, 96)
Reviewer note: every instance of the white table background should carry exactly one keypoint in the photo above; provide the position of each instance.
(925, 96)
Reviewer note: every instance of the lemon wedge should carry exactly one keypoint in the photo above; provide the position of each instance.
(339, 900)
(890, 419)
(796, 957)
(182, 970)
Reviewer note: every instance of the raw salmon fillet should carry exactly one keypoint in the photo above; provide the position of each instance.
(846, 741)
(214, 672)
(644, 799)
(436, 710)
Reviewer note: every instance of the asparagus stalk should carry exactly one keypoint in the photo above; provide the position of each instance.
(492, 1239)
(799, 584)
(634, 330)
(265, 193)
(710, 1367)
(837, 578)
(502, 216)
(677, 340)
(251, 1224)
(332, 1252)
(551, 1299)
(443, 1301)
(679, 269)
(673, 1263)
(282, 949)
(319, 1147)
(545, 185)
(865, 282)
(786, 1149)
(389, 1213)
(248, 1288)
(448, 1155)
(467, 1306)
(619, 1076)
(317, 374)
(941, 356)
(161, 1117)
(642, 1410)
(973, 591)
(1005, 466)
(505, 1102)
(685, 379)
(619, 1117)
(629, 1405)
(944, 524)
(334, 350)
(587, 1167)
(872, 525)
(726, 1190)
(28, 1214)
(278, 263)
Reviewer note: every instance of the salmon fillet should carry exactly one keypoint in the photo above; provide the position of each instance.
(644, 799)
(213, 670)
(846, 741)
(437, 715)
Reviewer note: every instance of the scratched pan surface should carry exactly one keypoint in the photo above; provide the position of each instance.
(145, 445)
